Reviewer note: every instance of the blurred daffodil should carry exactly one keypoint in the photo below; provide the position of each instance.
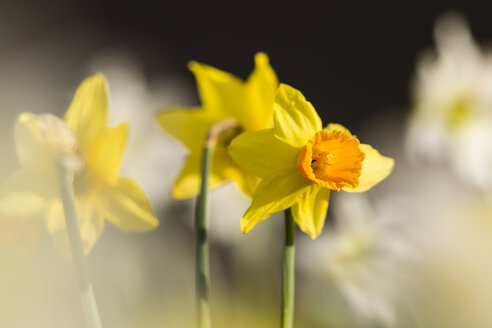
(84, 144)
(223, 96)
(452, 114)
(368, 257)
(300, 163)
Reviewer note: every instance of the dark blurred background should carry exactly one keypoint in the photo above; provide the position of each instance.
(349, 58)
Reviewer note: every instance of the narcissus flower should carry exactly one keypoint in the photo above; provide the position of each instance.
(223, 96)
(300, 163)
(84, 144)
(370, 256)
(451, 119)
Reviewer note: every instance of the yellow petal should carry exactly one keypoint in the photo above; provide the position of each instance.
(245, 181)
(261, 87)
(42, 141)
(25, 194)
(295, 119)
(188, 182)
(375, 168)
(188, 125)
(335, 126)
(107, 153)
(220, 92)
(90, 219)
(127, 207)
(87, 115)
(274, 194)
(310, 212)
(262, 154)
(224, 168)
(21, 205)
(24, 180)
(31, 149)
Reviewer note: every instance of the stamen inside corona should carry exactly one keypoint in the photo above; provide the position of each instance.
(332, 159)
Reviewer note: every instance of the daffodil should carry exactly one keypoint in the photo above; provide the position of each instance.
(451, 118)
(300, 163)
(370, 256)
(84, 144)
(223, 96)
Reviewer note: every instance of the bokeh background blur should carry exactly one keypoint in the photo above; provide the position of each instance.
(414, 252)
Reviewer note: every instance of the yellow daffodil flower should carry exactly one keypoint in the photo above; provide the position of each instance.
(223, 96)
(84, 144)
(299, 163)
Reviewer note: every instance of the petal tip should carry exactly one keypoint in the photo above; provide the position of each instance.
(25, 116)
(245, 230)
(246, 225)
(98, 76)
(392, 161)
(193, 66)
(178, 194)
(97, 79)
(154, 224)
(261, 59)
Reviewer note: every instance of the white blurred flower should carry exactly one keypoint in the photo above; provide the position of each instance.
(366, 256)
(452, 98)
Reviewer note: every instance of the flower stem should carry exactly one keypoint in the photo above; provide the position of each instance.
(202, 274)
(288, 272)
(202, 271)
(86, 292)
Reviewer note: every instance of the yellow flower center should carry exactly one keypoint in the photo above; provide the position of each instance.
(460, 113)
(332, 159)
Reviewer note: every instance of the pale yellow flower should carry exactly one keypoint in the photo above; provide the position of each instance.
(84, 144)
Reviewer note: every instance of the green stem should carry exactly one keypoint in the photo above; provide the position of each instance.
(202, 249)
(86, 292)
(288, 272)
(202, 273)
